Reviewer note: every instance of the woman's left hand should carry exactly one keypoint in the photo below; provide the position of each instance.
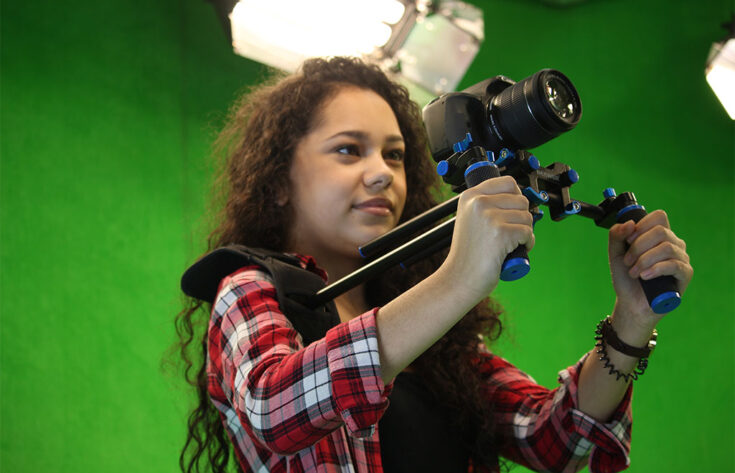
(646, 249)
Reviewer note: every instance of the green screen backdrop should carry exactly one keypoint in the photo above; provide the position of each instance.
(108, 110)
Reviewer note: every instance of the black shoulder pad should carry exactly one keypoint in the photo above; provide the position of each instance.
(294, 285)
(202, 278)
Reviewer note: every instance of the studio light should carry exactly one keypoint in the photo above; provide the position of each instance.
(720, 70)
(427, 45)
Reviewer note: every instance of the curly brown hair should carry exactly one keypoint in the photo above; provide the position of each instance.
(257, 144)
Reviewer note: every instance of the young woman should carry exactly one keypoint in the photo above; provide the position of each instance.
(318, 164)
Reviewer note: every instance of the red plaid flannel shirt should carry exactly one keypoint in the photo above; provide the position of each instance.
(290, 408)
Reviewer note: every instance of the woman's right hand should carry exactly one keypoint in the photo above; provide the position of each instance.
(492, 220)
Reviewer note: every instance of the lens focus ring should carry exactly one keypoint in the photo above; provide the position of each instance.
(536, 109)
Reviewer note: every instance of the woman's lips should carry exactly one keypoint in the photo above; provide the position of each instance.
(381, 207)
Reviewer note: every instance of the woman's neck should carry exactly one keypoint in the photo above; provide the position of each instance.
(352, 303)
(336, 264)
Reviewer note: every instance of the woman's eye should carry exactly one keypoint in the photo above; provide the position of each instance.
(395, 155)
(352, 150)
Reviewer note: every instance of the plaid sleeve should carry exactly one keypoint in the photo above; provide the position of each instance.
(288, 396)
(544, 429)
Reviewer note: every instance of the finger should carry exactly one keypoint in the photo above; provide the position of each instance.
(498, 185)
(529, 239)
(649, 240)
(617, 238)
(501, 190)
(504, 201)
(483, 203)
(680, 270)
(519, 234)
(655, 218)
(665, 251)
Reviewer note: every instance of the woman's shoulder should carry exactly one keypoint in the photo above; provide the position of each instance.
(248, 291)
(244, 280)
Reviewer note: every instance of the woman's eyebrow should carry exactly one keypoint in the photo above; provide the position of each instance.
(362, 136)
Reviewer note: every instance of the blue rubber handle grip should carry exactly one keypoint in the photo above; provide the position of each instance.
(661, 292)
(516, 264)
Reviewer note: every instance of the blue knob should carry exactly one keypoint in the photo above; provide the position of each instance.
(514, 269)
(534, 162)
(442, 168)
(463, 145)
(572, 208)
(609, 192)
(666, 302)
(505, 155)
(535, 197)
(573, 176)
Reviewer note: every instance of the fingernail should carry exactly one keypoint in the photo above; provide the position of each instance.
(646, 274)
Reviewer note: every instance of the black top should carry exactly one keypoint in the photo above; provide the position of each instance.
(416, 433)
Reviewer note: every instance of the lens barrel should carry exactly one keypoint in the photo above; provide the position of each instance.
(535, 110)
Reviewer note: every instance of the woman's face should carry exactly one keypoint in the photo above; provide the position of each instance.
(348, 183)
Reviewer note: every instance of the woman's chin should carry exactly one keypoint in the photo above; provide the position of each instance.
(372, 235)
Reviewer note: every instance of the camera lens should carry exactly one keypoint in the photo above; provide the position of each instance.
(559, 98)
(535, 110)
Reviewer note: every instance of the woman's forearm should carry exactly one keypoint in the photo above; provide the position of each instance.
(411, 323)
(600, 392)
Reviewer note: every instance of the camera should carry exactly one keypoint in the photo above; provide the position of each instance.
(499, 113)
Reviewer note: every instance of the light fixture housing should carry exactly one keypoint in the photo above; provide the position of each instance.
(426, 45)
(720, 73)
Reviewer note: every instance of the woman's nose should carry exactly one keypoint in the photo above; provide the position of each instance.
(377, 172)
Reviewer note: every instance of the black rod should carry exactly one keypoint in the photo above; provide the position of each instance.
(438, 246)
(409, 227)
(383, 263)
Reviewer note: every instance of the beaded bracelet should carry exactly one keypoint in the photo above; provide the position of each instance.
(606, 335)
